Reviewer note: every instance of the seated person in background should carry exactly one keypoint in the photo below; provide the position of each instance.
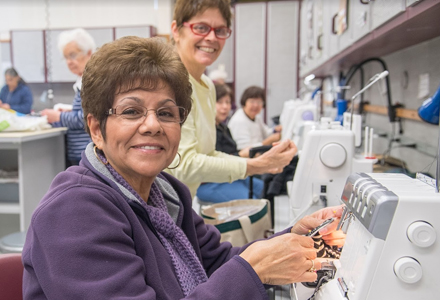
(16, 94)
(76, 46)
(239, 189)
(117, 227)
(247, 127)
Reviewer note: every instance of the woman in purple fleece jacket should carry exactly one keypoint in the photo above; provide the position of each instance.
(117, 227)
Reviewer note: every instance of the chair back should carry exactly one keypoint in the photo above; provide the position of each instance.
(11, 276)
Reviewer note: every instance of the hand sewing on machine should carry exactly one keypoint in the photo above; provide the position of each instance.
(328, 235)
(295, 258)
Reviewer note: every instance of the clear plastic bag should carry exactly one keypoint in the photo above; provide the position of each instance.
(12, 121)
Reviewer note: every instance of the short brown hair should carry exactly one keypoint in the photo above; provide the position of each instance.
(128, 64)
(184, 10)
(222, 90)
(253, 92)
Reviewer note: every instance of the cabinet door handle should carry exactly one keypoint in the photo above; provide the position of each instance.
(333, 24)
(319, 42)
(365, 1)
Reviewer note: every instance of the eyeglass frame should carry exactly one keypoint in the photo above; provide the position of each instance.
(73, 56)
(191, 25)
(183, 115)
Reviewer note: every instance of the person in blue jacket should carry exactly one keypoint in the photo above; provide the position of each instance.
(16, 94)
(77, 46)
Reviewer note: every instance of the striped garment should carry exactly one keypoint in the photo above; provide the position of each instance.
(77, 137)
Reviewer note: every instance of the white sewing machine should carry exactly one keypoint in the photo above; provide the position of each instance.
(391, 250)
(294, 115)
(325, 161)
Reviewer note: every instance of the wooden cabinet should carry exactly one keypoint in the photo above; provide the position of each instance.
(36, 56)
(38, 157)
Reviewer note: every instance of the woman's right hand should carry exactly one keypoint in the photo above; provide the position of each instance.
(274, 160)
(52, 115)
(283, 259)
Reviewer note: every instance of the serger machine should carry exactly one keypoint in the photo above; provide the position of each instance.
(294, 115)
(327, 158)
(391, 249)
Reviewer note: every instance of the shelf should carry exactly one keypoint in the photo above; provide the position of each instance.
(9, 208)
(410, 114)
(416, 24)
(8, 180)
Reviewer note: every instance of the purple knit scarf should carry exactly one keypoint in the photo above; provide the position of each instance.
(187, 266)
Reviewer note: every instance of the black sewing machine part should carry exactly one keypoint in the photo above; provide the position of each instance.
(325, 274)
(318, 228)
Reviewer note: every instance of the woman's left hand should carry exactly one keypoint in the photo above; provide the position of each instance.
(329, 233)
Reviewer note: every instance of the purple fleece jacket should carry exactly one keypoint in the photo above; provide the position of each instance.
(86, 241)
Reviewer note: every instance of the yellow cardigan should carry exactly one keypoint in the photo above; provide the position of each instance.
(200, 161)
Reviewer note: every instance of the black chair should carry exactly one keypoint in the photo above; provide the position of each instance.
(252, 152)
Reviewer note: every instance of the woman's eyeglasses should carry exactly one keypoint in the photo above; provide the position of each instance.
(73, 56)
(203, 29)
(165, 114)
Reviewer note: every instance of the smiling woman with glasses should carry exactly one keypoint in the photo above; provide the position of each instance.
(117, 226)
(199, 32)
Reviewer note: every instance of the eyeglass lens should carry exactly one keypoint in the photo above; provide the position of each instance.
(168, 114)
(203, 29)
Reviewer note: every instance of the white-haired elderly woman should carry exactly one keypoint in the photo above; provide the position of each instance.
(76, 46)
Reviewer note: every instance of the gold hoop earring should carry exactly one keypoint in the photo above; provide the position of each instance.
(97, 156)
(180, 159)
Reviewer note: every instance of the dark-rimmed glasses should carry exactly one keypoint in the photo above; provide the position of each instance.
(203, 29)
(165, 114)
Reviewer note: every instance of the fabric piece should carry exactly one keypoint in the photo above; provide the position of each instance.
(323, 250)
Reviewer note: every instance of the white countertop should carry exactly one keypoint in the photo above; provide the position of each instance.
(24, 136)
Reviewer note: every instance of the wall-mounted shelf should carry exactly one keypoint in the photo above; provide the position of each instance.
(410, 114)
(416, 24)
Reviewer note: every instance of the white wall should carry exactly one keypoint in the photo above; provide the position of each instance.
(32, 14)
(405, 67)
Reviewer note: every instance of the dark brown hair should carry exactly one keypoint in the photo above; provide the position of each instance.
(184, 10)
(253, 92)
(128, 64)
(222, 90)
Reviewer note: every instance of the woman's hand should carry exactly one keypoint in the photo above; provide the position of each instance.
(329, 235)
(4, 105)
(52, 115)
(244, 152)
(274, 160)
(275, 137)
(283, 259)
